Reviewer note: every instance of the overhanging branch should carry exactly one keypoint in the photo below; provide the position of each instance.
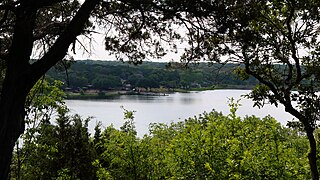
(60, 47)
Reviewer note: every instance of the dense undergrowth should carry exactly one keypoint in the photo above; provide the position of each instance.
(211, 146)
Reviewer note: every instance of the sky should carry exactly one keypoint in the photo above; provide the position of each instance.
(98, 52)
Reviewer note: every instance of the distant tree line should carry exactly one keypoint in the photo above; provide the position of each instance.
(107, 75)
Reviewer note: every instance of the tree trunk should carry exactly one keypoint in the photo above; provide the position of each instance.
(312, 156)
(8, 138)
(11, 121)
(21, 76)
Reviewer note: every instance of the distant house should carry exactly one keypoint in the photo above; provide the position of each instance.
(67, 89)
(127, 87)
(90, 86)
(139, 89)
(195, 85)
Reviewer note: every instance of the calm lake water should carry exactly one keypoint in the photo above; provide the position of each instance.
(172, 108)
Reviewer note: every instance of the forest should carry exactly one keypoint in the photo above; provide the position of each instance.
(59, 145)
(115, 75)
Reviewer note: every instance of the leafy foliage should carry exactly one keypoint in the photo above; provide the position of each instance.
(61, 149)
(276, 42)
(211, 146)
(48, 149)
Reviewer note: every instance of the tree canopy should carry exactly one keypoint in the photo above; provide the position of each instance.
(278, 44)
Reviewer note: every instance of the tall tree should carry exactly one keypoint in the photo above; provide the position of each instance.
(48, 28)
(134, 30)
(277, 42)
(23, 24)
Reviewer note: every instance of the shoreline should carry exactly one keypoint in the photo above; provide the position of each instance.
(152, 92)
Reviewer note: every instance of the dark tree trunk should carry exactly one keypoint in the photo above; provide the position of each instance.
(309, 129)
(10, 131)
(21, 76)
(11, 120)
(312, 156)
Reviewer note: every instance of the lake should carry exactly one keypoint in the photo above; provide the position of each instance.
(165, 109)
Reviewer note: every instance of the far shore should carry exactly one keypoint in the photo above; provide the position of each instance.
(150, 92)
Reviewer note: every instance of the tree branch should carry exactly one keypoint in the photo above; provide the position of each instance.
(40, 4)
(293, 42)
(54, 29)
(60, 47)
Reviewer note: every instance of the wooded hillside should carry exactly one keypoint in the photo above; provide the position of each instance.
(109, 75)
